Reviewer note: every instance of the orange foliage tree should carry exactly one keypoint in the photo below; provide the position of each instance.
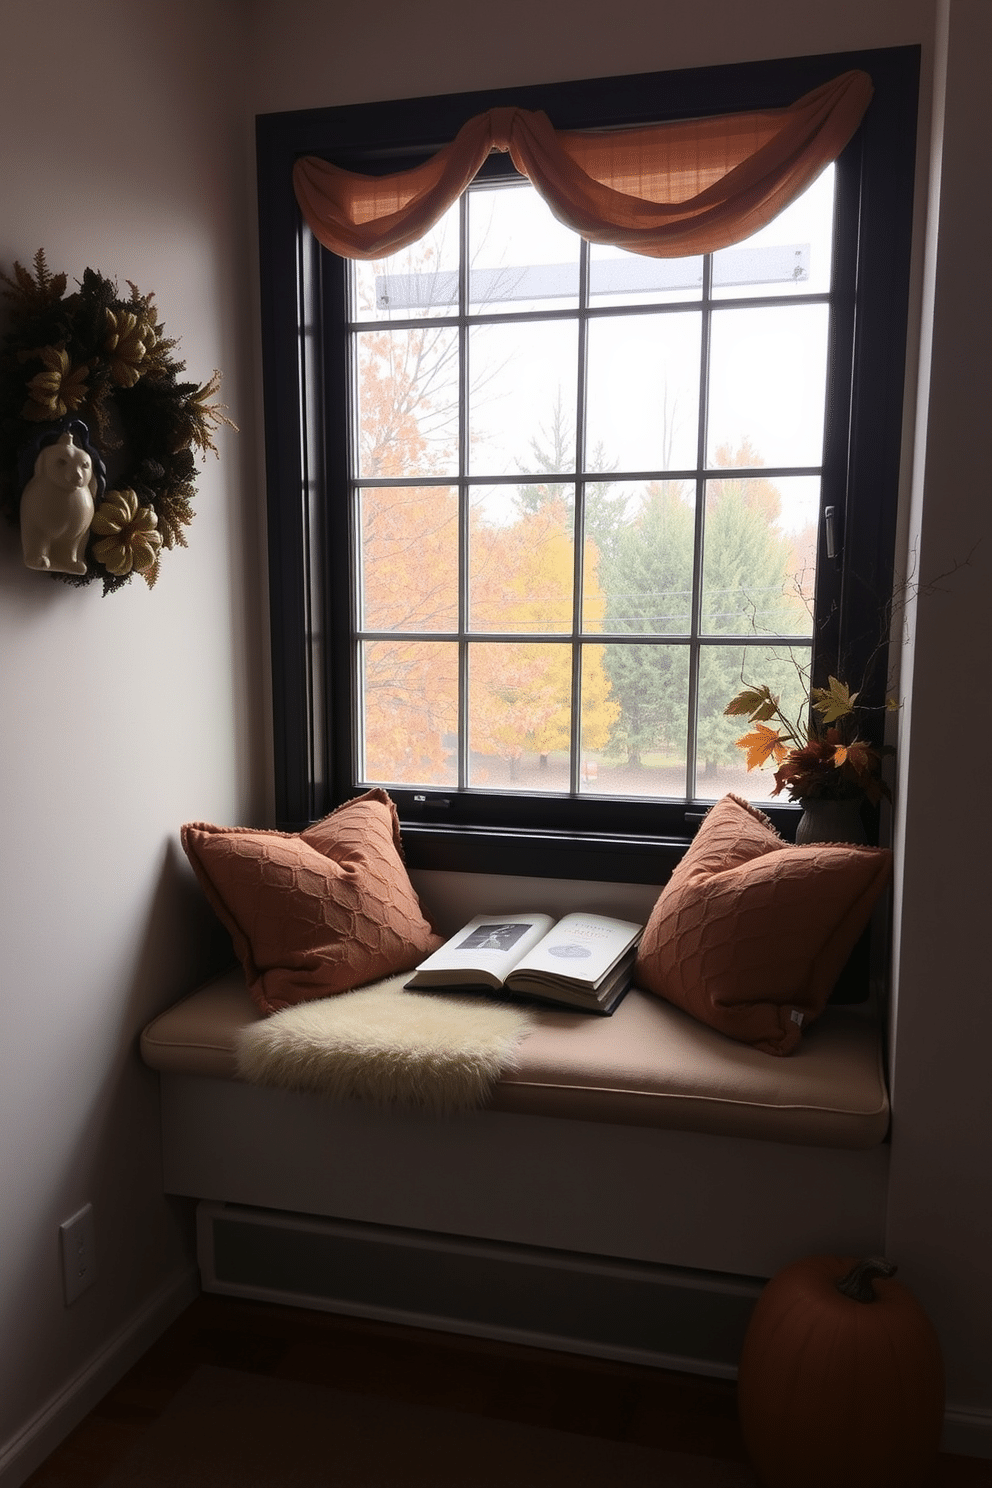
(408, 536)
(409, 544)
(520, 582)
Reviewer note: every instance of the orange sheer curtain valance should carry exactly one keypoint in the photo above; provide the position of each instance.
(663, 190)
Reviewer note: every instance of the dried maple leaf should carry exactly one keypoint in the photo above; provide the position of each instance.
(753, 703)
(834, 701)
(762, 745)
(862, 758)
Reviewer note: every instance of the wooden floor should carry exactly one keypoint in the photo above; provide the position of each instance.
(593, 1397)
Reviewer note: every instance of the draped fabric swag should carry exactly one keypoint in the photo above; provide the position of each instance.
(662, 190)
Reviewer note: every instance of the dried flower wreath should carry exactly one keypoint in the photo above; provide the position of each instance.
(102, 368)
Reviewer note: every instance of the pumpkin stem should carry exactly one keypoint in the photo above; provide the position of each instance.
(857, 1284)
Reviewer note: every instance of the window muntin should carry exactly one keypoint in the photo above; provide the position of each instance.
(509, 370)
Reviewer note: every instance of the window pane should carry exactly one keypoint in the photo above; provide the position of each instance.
(521, 257)
(645, 754)
(792, 255)
(642, 576)
(407, 387)
(768, 371)
(643, 392)
(617, 277)
(520, 698)
(409, 694)
(723, 671)
(799, 524)
(409, 558)
(758, 573)
(599, 718)
(419, 280)
(521, 563)
(523, 380)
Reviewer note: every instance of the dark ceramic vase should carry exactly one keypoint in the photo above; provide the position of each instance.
(831, 821)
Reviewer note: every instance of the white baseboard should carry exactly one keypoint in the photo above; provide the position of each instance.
(22, 1453)
(397, 1285)
(967, 1433)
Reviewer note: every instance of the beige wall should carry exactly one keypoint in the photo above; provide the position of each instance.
(311, 53)
(124, 145)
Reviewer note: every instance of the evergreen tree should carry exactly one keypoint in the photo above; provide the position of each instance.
(746, 567)
(646, 575)
(553, 455)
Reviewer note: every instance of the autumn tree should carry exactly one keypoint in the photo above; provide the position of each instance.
(408, 425)
(521, 581)
(409, 546)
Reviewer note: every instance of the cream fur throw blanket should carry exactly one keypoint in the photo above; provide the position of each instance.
(383, 1044)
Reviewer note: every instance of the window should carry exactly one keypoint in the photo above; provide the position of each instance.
(569, 542)
(546, 502)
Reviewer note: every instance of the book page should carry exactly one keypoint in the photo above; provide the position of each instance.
(581, 947)
(487, 948)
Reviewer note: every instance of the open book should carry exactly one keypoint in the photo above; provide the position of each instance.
(584, 961)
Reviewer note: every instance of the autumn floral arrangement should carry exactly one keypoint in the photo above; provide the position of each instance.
(103, 367)
(825, 760)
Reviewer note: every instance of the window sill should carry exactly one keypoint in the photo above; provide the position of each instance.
(604, 858)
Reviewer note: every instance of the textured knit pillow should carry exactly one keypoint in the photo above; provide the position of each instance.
(750, 933)
(318, 912)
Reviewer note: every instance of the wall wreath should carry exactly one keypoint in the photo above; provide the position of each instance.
(98, 434)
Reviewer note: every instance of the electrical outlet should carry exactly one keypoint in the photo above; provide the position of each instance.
(77, 1239)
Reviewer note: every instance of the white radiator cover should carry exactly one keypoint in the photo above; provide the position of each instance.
(653, 1315)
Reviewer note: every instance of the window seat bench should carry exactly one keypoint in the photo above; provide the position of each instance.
(641, 1147)
(647, 1065)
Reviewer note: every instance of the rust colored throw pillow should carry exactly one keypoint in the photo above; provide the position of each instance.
(750, 933)
(318, 912)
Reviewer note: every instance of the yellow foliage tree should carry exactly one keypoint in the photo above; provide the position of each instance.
(522, 577)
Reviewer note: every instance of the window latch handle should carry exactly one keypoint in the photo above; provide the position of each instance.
(831, 528)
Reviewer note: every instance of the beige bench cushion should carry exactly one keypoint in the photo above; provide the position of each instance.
(649, 1064)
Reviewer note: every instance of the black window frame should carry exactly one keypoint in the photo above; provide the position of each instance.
(306, 412)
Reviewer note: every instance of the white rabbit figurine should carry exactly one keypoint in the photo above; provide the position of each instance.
(57, 508)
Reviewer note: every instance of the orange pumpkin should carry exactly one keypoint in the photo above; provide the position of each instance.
(840, 1383)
